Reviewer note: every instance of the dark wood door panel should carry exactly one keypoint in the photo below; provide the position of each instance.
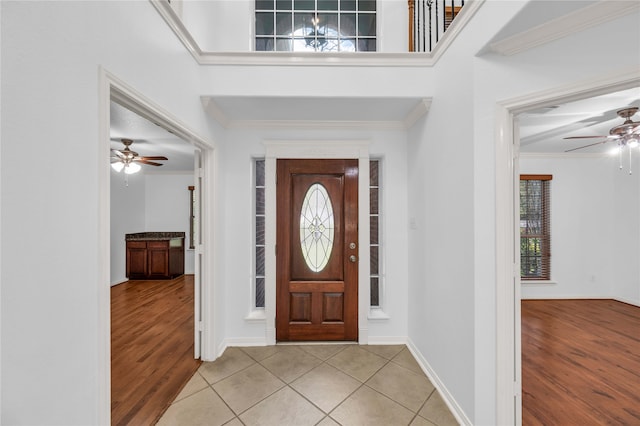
(317, 300)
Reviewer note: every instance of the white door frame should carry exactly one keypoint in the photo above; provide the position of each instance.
(112, 88)
(508, 338)
(349, 149)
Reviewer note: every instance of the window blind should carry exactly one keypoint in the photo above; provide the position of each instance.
(535, 227)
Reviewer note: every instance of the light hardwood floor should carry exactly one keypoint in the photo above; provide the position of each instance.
(580, 362)
(151, 347)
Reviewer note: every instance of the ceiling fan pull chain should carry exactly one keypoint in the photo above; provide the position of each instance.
(620, 155)
(630, 160)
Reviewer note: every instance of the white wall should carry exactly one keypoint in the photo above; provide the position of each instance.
(228, 25)
(167, 208)
(584, 213)
(625, 252)
(52, 53)
(127, 216)
(220, 25)
(238, 148)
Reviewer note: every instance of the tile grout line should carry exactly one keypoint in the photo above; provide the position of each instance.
(359, 387)
(326, 414)
(274, 375)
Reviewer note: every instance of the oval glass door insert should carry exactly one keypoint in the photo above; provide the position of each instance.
(316, 227)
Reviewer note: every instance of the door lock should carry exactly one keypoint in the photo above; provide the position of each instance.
(352, 246)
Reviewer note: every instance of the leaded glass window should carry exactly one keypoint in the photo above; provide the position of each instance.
(316, 227)
(316, 25)
(535, 229)
(259, 231)
(374, 230)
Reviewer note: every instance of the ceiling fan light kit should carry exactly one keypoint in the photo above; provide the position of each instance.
(626, 135)
(130, 161)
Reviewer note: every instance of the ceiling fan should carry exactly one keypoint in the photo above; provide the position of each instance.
(625, 134)
(130, 160)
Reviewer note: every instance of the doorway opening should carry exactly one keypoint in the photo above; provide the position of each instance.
(313, 150)
(115, 92)
(508, 295)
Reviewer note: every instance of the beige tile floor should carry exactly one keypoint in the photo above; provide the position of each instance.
(310, 385)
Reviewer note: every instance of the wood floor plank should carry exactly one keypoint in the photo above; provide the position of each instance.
(580, 362)
(151, 347)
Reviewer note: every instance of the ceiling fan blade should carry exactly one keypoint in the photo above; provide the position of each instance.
(586, 146)
(153, 157)
(118, 153)
(143, 161)
(584, 137)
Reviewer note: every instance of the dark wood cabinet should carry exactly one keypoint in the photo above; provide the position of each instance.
(137, 260)
(154, 259)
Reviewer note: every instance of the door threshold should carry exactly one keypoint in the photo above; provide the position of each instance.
(314, 342)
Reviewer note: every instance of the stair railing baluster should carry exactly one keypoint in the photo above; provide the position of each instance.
(411, 30)
(429, 3)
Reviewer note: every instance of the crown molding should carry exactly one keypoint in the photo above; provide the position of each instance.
(562, 26)
(417, 113)
(621, 79)
(215, 111)
(316, 59)
(316, 124)
(212, 108)
(457, 25)
(175, 23)
(562, 155)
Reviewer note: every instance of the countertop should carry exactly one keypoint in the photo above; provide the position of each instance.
(151, 236)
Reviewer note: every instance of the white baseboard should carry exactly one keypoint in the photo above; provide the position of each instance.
(454, 407)
(627, 301)
(245, 341)
(363, 335)
(119, 281)
(564, 297)
(387, 340)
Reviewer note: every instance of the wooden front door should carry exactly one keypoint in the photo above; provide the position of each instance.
(317, 250)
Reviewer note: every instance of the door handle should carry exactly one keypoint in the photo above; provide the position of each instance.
(353, 258)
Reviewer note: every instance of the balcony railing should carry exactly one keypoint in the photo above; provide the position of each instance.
(428, 20)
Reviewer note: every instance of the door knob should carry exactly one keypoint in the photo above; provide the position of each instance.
(353, 258)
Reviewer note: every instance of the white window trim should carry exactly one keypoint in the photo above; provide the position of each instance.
(320, 149)
(538, 282)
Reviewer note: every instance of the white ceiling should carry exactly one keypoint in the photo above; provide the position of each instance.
(539, 12)
(542, 130)
(150, 139)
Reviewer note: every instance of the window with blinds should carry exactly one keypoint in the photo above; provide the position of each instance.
(535, 227)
